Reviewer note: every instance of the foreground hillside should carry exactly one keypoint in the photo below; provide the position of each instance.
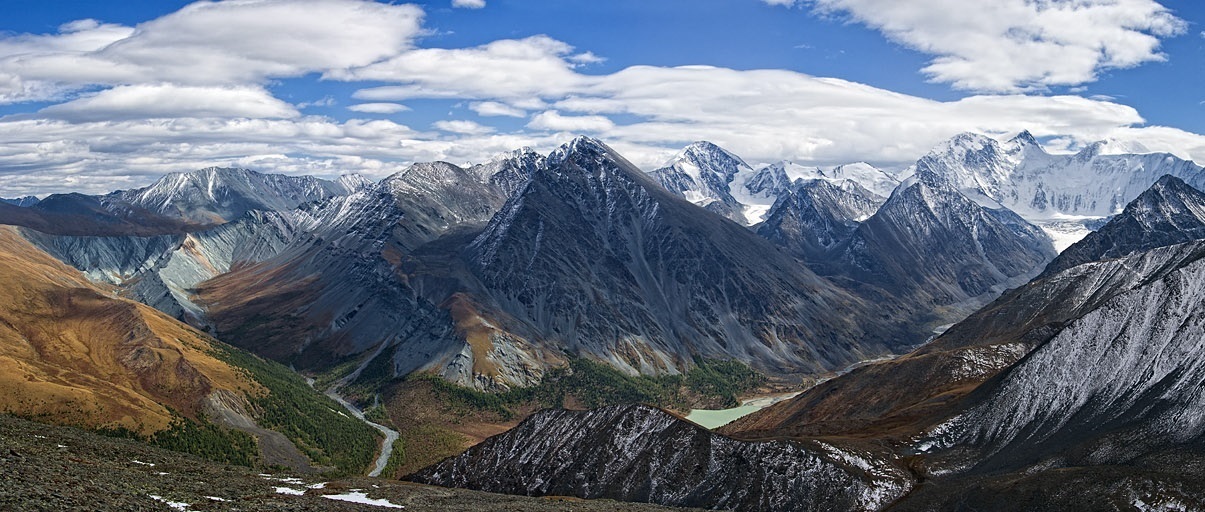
(71, 353)
(50, 468)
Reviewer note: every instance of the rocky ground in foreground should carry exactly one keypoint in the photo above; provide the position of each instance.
(56, 468)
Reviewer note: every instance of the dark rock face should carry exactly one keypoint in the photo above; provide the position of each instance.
(638, 453)
(816, 216)
(594, 256)
(1170, 212)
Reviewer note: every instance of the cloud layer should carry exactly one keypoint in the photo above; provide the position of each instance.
(1016, 45)
(126, 107)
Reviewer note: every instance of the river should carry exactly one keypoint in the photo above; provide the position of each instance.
(390, 434)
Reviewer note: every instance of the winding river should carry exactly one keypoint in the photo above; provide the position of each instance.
(390, 434)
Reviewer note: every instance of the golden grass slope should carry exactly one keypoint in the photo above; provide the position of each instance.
(71, 353)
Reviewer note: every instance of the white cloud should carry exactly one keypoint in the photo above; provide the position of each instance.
(234, 42)
(325, 101)
(469, 4)
(462, 127)
(165, 100)
(378, 108)
(1014, 45)
(552, 120)
(493, 108)
(508, 68)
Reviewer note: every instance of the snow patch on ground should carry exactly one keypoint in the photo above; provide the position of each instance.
(361, 498)
(174, 505)
(289, 490)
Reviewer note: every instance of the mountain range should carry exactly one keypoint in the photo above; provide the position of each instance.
(498, 279)
(1076, 391)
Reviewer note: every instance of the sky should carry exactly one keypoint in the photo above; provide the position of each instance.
(99, 96)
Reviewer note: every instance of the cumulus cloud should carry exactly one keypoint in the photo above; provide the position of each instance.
(166, 100)
(378, 108)
(469, 4)
(1015, 45)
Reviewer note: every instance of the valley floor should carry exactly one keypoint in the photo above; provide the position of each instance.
(49, 468)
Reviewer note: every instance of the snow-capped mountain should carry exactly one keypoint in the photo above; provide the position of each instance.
(1060, 193)
(817, 215)
(702, 173)
(652, 456)
(509, 171)
(932, 243)
(1168, 213)
(215, 195)
(21, 201)
(718, 180)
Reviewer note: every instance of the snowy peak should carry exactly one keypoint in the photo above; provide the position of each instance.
(816, 215)
(702, 173)
(931, 242)
(218, 194)
(509, 170)
(773, 180)
(865, 175)
(21, 201)
(1168, 213)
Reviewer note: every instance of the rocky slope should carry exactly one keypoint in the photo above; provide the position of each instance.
(356, 285)
(974, 350)
(638, 453)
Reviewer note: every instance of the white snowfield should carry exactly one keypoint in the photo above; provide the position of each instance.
(1064, 194)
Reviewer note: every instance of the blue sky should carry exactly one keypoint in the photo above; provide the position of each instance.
(96, 96)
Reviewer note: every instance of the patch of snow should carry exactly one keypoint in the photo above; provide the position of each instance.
(175, 505)
(361, 498)
(289, 490)
(136, 461)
